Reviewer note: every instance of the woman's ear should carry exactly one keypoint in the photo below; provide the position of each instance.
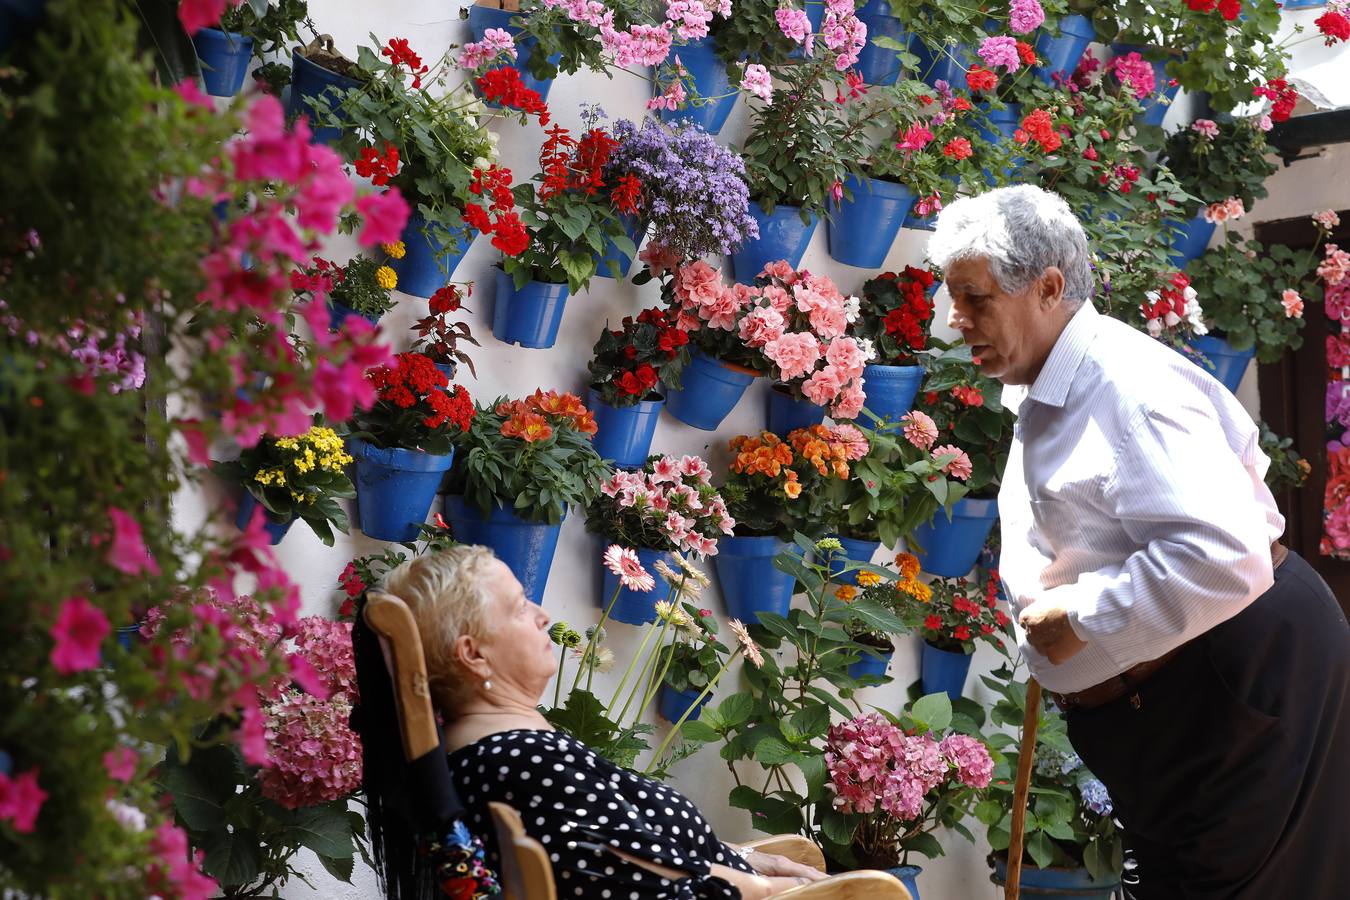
(469, 654)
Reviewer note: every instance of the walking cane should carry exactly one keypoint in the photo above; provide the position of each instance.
(1022, 787)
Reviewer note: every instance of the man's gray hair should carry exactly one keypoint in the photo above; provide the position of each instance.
(1021, 230)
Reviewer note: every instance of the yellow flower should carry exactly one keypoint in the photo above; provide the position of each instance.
(385, 278)
(846, 592)
(909, 566)
(396, 250)
(868, 579)
(916, 589)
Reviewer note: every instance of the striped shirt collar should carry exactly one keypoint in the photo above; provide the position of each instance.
(1052, 384)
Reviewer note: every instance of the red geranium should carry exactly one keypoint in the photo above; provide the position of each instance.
(378, 167)
(1334, 26)
(981, 79)
(896, 314)
(503, 86)
(399, 53)
(413, 409)
(958, 148)
(1039, 127)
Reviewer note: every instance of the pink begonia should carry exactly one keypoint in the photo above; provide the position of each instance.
(919, 429)
(1205, 128)
(1334, 266)
(915, 138)
(757, 81)
(1327, 219)
(1292, 303)
(127, 553)
(198, 14)
(1000, 51)
(959, 466)
(796, 26)
(1135, 73)
(1025, 16)
(120, 763)
(974, 765)
(1264, 122)
(179, 866)
(384, 216)
(794, 354)
(21, 800)
(670, 98)
(689, 18)
(640, 45)
(478, 53)
(761, 325)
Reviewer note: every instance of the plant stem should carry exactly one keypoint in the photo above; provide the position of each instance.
(588, 655)
(647, 666)
(697, 700)
(627, 674)
(557, 683)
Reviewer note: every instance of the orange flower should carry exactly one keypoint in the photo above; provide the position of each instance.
(510, 408)
(846, 592)
(909, 566)
(529, 427)
(793, 489)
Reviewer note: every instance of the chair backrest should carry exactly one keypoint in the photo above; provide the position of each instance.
(390, 618)
(526, 872)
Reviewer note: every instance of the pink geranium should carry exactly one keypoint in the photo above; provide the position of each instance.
(1000, 50)
(1134, 73)
(757, 81)
(496, 41)
(384, 217)
(77, 635)
(1292, 303)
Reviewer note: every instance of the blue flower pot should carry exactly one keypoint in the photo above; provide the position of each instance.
(1062, 54)
(338, 313)
(614, 263)
(782, 235)
(708, 391)
(815, 14)
(890, 390)
(1056, 882)
(447, 369)
(481, 18)
(275, 530)
(943, 670)
(1229, 364)
(1156, 105)
(128, 636)
(855, 551)
(950, 548)
(224, 58)
(1190, 239)
(1304, 4)
(309, 86)
(750, 582)
(948, 64)
(710, 79)
(526, 547)
(929, 222)
(870, 665)
(636, 607)
(787, 413)
(863, 229)
(879, 65)
(528, 316)
(624, 433)
(428, 264)
(673, 703)
(998, 127)
(395, 488)
(907, 876)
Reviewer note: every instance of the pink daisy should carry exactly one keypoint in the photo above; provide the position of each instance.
(920, 429)
(624, 563)
(958, 467)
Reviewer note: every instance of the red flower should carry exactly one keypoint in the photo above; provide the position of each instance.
(958, 148)
(1202, 6)
(378, 167)
(476, 217)
(1281, 95)
(961, 633)
(981, 79)
(969, 396)
(445, 300)
(1334, 26)
(511, 237)
(627, 196)
(503, 86)
(1230, 9)
(1027, 53)
(400, 53)
(933, 622)
(1039, 127)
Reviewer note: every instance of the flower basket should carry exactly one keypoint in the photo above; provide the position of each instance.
(709, 391)
(625, 432)
(864, 228)
(224, 56)
(615, 263)
(1054, 881)
(1229, 364)
(950, 547)
(395, 488)
(673, 703)
(526, 547)
(750, 582)
(855, 551)
(528, 316)
(428, 264)
(1190, 240)
(481, 18)
(944, 670)
(309, 81)
(891, 390)
(635, 607)
(881, 65)
(787, 413)
(710, 79)
(1062, 54)
(782, 235)
(275, 530)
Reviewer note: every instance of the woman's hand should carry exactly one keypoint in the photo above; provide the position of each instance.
(780, 866)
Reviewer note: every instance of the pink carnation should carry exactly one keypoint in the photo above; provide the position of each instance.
(794, 354)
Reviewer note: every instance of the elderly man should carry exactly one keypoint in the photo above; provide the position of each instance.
(1204, 669)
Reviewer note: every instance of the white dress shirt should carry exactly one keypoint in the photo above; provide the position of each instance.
(1134, 497)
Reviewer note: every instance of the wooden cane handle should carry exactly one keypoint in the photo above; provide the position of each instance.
(1026, 757)
(390, 618)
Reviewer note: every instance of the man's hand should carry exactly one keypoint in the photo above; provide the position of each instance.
(1048, 630)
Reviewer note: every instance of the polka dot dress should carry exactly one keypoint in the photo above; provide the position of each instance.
(577, 803)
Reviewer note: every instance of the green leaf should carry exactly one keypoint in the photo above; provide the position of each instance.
(989, 812)
(924, 844)
(1040, 848)
(932, 713)
(198, 803)
(324, 830)
(736, 709)
(341, 869)
(835, 826)
(695, 730)
(744, 797)
(773, 752)
(233, 858)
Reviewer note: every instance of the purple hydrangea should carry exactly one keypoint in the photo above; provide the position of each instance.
(694, 191)
(1095, 797)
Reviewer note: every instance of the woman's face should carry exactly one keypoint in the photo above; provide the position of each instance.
(516, 643)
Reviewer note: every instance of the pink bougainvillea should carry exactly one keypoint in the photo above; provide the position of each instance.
(77, 635)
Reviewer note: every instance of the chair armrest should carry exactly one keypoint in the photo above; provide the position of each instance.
(861, 885)
(795, 847)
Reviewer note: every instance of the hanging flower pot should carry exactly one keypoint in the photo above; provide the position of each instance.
(481, 18)
(787, 413)
(428, 264)
(998, 127)
(863, 229)
(948, 63)
(710, 79)
(673, 703)
(448, 370)
(750, 582)
(1229, 365)
(1062, 54)
(529, 316)
(622, 262)
(1159, 102)
(338, 313)
(526, 547)
(635, 607)
(1055, 881)
(395, 488)
(944, 670)
(309, 86)
(871, 665)
(881, 65)
(624, 432)
(856, 550)
(891, 390)
(276, 530)
(1190, 239)
(782, 235)
(224, 57)
(709, 390)
(950, 548)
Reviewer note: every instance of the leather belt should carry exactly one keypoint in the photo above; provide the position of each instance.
(1127, 682)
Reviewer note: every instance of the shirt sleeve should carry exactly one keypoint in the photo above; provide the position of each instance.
(1187, 501)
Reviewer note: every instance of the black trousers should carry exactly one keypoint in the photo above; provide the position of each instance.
(1231, 773)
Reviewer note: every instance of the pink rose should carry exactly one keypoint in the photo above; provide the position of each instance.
(794, 353)
(823, 387)
(847, 355)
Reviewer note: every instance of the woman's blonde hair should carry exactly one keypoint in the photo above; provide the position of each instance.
(449, 595)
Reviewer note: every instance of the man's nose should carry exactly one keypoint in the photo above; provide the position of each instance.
(957, 319)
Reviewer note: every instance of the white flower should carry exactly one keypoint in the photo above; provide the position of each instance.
(1154, 327)
(129, 817)
(869, 350)
(852, 307)
(1194, 314)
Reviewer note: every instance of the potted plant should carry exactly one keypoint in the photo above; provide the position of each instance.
(952, 615)
(896, 315)
(521, 465)
(404, 443)
(880, 643)
(1062, 46)
(668, 506)
(293, 477)
(438, 338)
(691, 82)
(358, 287)
(253, 28)
(1072, 846)
(319, 77)
(696, 659)
(515, 41)
(572, 213)
(626, 368)
(959, 400)
(1288, 469)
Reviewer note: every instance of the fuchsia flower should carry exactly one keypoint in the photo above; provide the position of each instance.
(384, 215)
(120, 763)
(78, 632)
(21, 800)
(915, 138)
(624, 563)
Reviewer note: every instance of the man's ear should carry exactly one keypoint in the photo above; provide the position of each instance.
(1051, 287)
(468, 653)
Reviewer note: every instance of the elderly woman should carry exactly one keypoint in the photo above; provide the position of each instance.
(608, 832)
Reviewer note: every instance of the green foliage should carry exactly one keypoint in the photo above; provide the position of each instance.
(751, 35)
(982, 428)
(569, 231)
(1288, 470)
(1232, 164)
(270, 26)
(895, 488)
(357, 286)
(653, 340)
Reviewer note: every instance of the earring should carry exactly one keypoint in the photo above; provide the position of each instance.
(487, 684)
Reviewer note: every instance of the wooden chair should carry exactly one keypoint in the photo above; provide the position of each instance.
(526, 871)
